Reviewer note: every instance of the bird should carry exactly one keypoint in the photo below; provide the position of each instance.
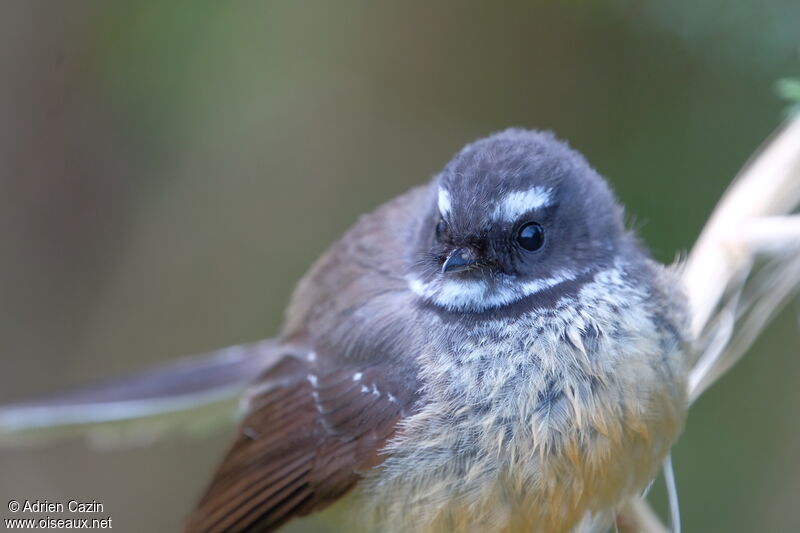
(493, 351)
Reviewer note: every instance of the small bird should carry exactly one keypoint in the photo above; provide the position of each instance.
(490, 352)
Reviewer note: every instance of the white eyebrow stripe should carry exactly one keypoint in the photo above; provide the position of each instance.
(444, 202)
(517, 203)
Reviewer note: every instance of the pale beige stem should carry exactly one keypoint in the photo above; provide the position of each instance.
(638, 517)
(768, 185)
(751, 219)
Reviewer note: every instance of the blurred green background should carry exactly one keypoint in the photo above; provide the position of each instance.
(169, 170)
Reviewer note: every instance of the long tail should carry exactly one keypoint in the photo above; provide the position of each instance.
(191, 395)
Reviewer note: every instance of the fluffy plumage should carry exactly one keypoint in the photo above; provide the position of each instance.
(530, 390)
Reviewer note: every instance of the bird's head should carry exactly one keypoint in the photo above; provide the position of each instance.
(512, 215)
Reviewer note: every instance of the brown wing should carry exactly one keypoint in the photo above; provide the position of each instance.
(306, 437)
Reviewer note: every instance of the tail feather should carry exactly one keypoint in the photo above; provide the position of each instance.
(192, 394)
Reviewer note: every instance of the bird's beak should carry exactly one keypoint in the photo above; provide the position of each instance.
(459, 260)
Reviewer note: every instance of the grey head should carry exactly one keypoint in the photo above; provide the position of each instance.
(511, 216)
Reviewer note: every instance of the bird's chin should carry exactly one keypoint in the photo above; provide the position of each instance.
(472, 294)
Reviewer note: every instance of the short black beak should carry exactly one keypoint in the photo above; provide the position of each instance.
(459, 260)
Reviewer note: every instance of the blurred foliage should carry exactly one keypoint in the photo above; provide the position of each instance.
(169, 170)
(789, 89)
(754, 35)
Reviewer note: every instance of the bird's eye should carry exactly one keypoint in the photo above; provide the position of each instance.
(531, 236)
(441, 228)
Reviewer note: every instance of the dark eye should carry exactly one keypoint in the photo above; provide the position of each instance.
(531, 236)
(441, 228)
